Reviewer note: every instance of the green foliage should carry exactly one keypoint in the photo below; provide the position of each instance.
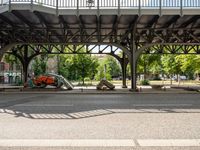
(150, 63)
(11, 59)
(87, 79)
(113, 65)
(171, 65)
(86, 66)
(128, 70)
(108, 68)
(188, 64)
(197, 67)
(40, 64)
(144, 82)
(101, 74)
(181, 64)
(78, 67)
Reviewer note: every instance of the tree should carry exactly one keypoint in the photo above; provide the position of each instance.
(197, 68)
(102, 73)
(11, 59)
(39, 64)
(149, 63)
(171, 66)
(63, 67)
(189, 64)
(78, 67)
(114, 67)
(86, 66)
(108, 68)
(155, 64)
(128, 70)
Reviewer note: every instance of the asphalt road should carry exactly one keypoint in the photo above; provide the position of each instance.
(137, 121)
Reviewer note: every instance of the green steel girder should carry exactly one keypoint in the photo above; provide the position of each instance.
(39, 49)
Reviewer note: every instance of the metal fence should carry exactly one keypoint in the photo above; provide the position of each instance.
(10, 75)
(107, 3)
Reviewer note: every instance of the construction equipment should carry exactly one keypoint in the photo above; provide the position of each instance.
(50, 79)
(105, 84)
(64, 81)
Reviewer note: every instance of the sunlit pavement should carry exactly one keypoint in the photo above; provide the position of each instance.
(92, 90)
(111, 121)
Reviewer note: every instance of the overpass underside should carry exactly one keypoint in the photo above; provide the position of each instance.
(29, 28)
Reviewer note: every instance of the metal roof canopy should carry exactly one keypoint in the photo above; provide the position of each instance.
(73, 21)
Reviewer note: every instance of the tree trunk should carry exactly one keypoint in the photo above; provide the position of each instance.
(171, 79)
(179, 80)
(83, 80)
(145, 71)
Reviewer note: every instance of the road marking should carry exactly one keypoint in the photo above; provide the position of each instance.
(67, 143)
(44, 105)
(169, 142)
(162, 105)
(99, 142)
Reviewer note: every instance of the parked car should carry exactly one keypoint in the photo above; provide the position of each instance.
(181, 78)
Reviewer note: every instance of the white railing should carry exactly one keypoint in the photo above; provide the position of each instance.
(107, 3)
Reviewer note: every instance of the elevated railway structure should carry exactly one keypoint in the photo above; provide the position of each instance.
(32, 27)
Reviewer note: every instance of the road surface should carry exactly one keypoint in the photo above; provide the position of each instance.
(99, 121)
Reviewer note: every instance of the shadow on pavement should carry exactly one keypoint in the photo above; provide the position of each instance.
(37, 108)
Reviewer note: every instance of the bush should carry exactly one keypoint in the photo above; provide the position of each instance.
(144, 82)
(87, 79)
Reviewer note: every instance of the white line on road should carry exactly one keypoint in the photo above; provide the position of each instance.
(99, 142)
(169, 142)
(162, 105)
(44, 105)
(67, 143)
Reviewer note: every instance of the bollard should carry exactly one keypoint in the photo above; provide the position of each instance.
(140, 89)
(164, 88)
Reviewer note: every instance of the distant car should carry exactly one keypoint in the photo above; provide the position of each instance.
(181, 78)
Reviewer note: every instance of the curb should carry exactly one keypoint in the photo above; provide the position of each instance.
(98, 93)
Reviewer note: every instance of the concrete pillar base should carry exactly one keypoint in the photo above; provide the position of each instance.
(124, 86)
(133, 90)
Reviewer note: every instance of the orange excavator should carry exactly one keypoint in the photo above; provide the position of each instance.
(50, 79)
(44, 80)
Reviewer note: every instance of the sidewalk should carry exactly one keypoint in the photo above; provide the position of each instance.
(92, 90)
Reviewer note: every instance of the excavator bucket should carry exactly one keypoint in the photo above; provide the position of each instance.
(105, 83)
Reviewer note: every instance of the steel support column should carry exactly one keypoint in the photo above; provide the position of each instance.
(133, 64)
(1, 52)
(25, 64)
(124, 66)
(1, 55)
